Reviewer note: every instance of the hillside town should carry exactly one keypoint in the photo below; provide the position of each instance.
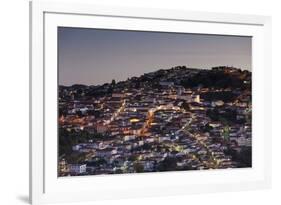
(169, 120)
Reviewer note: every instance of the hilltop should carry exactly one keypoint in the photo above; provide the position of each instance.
(221, 77)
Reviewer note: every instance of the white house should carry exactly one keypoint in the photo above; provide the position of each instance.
(129, 137)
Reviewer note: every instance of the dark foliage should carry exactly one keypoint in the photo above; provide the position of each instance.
(226, 96)
(168, 164)
(215, 79)
(243, 158)
(228, 116)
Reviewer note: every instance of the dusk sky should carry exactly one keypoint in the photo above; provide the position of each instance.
(94, 56)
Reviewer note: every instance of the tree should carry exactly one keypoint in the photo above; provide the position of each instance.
(113, 82)
(225, 133)
(168, 164)
(138, 167)
(185, 106)
(245, 157)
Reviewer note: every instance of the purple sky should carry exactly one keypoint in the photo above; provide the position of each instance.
(94, 56)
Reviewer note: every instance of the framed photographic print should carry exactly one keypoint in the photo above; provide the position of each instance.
(129, 102)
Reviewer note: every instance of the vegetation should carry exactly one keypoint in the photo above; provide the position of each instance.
(67, 139)
(227, 117)
(168, 164)
(243, 158)
(138, 167)
(218, 79)
(225, 96)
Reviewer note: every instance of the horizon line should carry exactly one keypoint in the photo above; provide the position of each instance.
(157, 71)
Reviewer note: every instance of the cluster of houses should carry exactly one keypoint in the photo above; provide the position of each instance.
(148, 130)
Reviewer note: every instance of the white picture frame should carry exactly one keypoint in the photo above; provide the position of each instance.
(46, 187)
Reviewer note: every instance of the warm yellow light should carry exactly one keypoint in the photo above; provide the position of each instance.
(134, 120)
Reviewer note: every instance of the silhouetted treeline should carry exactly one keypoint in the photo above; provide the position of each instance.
(215, 79)
(225, 96)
